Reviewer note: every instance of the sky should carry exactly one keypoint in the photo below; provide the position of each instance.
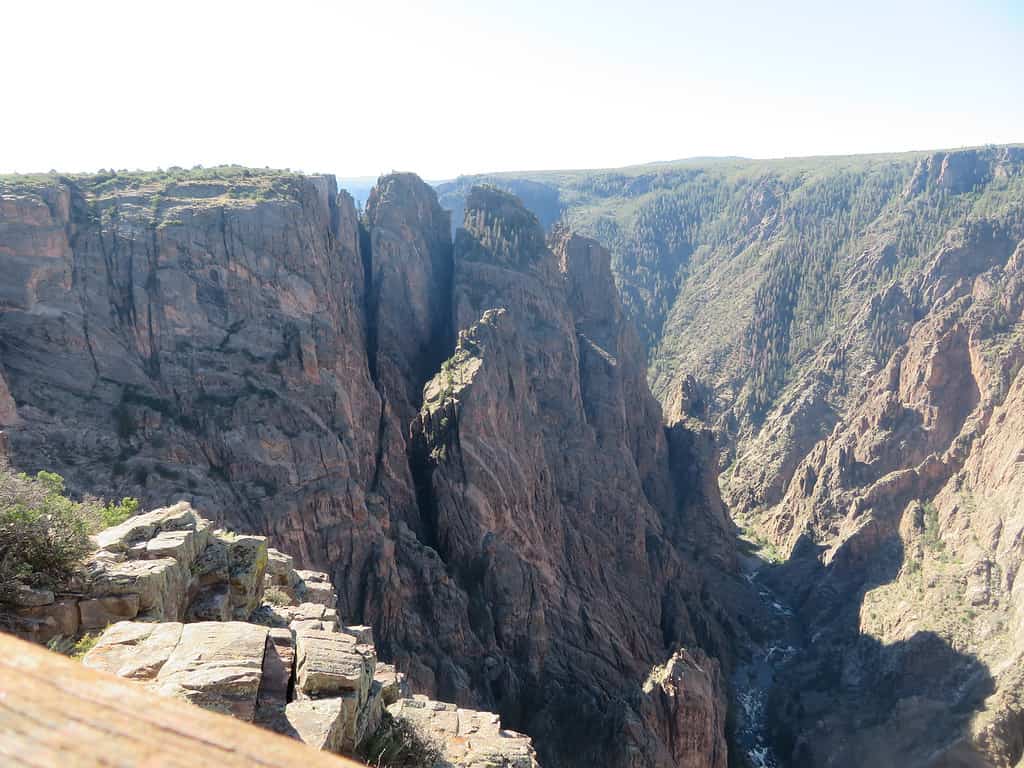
(447, 88)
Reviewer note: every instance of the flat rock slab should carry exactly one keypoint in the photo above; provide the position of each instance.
(135, 650)
(142, 528)
(467, 738)
(329, 663)
(218, 666)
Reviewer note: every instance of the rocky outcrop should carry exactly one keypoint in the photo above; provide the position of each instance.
(686, 696)
(239, 340)
(166, 565)
(465, 737)
(313, 679)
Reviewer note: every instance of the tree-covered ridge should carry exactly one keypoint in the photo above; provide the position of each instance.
(738, 270)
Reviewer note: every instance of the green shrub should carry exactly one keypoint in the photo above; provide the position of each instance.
(276, 596)
(44, 535)
(75, 648)
(931, 537)
(397, 744)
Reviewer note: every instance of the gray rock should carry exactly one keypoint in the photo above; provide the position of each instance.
(99, 612)
(218, 666)
(329, 663)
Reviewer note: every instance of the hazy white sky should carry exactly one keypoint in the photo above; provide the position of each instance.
(442, 88)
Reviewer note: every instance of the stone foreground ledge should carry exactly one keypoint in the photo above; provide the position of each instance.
(293, 668)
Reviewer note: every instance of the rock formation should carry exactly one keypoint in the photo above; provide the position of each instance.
(290, 665)
(850, 330)
(545, 468)
(534, 544)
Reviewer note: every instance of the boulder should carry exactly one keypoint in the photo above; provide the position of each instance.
(247, 563)
(218, 666)
(183, 546)
(393, 683)
(320, 723)
(280, 568)
(329, 663)
(316, 587)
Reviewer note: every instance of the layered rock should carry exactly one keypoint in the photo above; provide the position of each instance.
(465, 737)
(165, 565)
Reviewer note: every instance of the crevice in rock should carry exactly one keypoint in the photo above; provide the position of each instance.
(369, 301)
(421, 466)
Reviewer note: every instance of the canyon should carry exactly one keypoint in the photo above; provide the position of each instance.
(442, 401)
(458, 432)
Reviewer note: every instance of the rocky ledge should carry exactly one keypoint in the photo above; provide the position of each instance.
(224, 622)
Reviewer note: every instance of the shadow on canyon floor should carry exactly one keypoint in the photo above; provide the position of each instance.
(839, 697)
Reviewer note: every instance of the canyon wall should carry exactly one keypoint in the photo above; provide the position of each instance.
(460, 434)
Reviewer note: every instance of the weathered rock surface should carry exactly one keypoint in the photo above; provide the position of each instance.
(217, 665)
(466, 737)
(135, 650)
(330, 663)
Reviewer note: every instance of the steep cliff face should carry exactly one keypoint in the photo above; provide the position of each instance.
(240, 340)
(545, 467)
(202, 339)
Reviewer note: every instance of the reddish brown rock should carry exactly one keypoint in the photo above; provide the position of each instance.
(240, 343)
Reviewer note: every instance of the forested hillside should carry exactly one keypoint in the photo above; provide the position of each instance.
(746, 277)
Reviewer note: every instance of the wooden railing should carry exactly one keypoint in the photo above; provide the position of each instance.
(55, 713)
